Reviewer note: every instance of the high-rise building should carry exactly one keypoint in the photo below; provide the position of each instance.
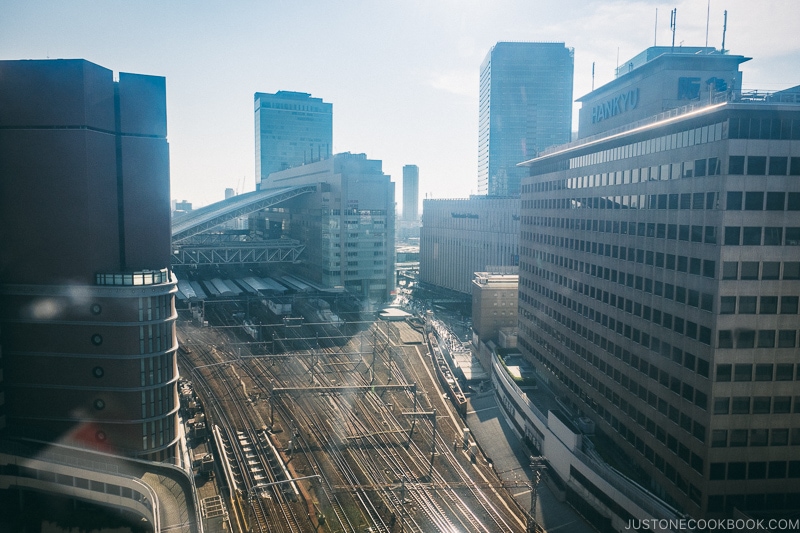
(410, 193)
(86, 293)
(525, 107)
(659, 281)
(347, 225)
(291, 129)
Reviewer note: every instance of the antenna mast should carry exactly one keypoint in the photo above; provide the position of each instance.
(673, 19)
(655, 31)
(708, 16)
(724, 28)
(593, 75)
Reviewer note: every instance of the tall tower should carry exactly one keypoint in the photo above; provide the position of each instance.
(410, 193)
(86, 293)
(291, 129)
(525, 107)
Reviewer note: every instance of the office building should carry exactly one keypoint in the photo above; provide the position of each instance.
(462, 236)
(292, 129)
(494, 305)
(525, 107)
(86, 293)
(410, 193)
(347, 225)
(659, 282)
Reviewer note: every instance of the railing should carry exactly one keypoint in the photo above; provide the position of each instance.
(144, 277)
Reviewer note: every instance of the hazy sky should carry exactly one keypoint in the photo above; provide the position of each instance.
(402, 75)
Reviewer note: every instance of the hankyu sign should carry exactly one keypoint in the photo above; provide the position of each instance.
(619, 104)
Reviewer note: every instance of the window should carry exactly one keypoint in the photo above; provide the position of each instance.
(727, 305)
(736, 164)
(786, 338)
(754, 201)
(792, 236)
(730, 270)
(738, 440)
(766, 339)
(764, 371)
(725, 340)
(769, 305)
(773, 236)
(778, 166)
(756, 165)
(732, 235)
(721, 406)
(724, 371)
(740, 405)
(791, 270)
(719, 438)
(742, 372)
(749, 270)
(770, 270)
(775, 201)
(784, 372)
(745, 338)
(747, 305)
(752, 236)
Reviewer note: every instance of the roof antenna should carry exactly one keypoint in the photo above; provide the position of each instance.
(724, 28)
(708, 16)
(655, 31)
(593, 75)
(673, 20)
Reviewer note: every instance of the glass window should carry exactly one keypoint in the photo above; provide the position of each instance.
(770, 270)
(710, 235)
(773, 236)
(775, 201)
(791, 270)
(764, 371)
(732, 235)
(792, 236)
(784, 372)
(733, 201)
(750, 270)
(747, 305)
(736, 165)
(727, 305)
(793, 203)
(745, 338)
(754, 201)
(730, 270)
(794, 166)
(751, 236)
(740, 405)
(725, 341)
(786, 338)
(789, 305)
(766, 338)
(778, 166)
(756, 165)
(769, 305)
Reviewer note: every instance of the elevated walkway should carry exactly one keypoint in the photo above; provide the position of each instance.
(210, 216)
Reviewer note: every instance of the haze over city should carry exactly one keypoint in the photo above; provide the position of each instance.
(402, 76)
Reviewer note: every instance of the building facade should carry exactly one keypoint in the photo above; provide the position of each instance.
(347, 226)
(659, 274)
(525, 107)
(494, 304)
(462, 236)
(410, 193)
(86, 294)
(292, 129)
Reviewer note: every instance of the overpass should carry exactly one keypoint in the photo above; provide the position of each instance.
(189, 248)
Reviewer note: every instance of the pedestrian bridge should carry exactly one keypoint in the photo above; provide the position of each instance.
(188, 249)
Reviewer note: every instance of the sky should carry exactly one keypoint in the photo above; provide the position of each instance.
(402, 75)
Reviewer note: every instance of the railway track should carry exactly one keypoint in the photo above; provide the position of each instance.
(400, 469)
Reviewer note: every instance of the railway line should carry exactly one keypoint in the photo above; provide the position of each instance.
(347, 412)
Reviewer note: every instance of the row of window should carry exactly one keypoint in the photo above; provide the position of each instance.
(155, 307)
(767, 270)
(693, 201)
(750, 338)
(158, 401)
(762, 201)
(787, 501)
(764, 305)
(763, 372)
(156, 337)
(668, 440)
(763, 128)
(158, 433)
(670, 171)
(676, 293)
(679, 263)
(754, 437)
(736, 471)
(758, 236)
(757, 405)
(756, 165)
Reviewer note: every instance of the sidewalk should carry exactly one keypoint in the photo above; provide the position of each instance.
(511, 461)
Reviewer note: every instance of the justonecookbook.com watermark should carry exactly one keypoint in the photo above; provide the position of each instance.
(715, 524)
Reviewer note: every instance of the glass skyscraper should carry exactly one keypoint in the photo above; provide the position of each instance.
(525, 107)
(291, 129)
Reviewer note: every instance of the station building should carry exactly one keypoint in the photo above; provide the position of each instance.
(462, 236)
(659, 274)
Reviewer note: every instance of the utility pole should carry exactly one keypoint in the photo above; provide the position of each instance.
(538, 466)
